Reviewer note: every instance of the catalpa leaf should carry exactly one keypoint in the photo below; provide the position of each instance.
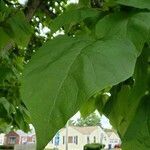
(88, 107)
(96, 102)
(138, 108)
(4, 107)
(5, 72)
(72, 17)
(4, 41)
(124, 103)
(4, 10)
(137, 136)
(19, 29)
(135, 3)
(135, 27)
(66, 72)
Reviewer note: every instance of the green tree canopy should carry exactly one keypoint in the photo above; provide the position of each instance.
(100, 61)
(92, 120)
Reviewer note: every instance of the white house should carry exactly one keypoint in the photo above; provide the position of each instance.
(2, 136)
(78, 137)
(112, 138)
(25, 138)
(19, 137)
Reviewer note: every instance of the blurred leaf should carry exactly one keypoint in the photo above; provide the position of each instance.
(4, 73)
(4, 104)
(122, 107)
(84, 3)
(20, 28)
(72, 17)
(137, 136)
(135, 27)
(135, 3)
(88, 108)
(5, 41)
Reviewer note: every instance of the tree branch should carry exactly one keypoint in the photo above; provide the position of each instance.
(32, 5)
(29, 11)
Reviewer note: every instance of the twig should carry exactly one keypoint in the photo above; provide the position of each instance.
(32, 5)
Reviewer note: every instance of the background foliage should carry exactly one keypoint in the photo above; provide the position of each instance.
(101, 61)
(92, 120)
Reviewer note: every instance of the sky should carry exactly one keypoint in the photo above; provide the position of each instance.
(104, 121)
(22, 1)
(70, 1)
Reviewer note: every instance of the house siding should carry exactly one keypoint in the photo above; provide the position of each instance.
(22, 138)
(82, 138)
(9, 136)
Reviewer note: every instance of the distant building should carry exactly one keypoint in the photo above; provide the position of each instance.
(78, 137)
(19, 137)
(112, 138)
(12, 138)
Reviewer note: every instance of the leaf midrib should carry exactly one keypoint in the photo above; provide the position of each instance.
(65, 77)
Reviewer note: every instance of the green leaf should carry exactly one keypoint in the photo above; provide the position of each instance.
(88, 107)
(4, 10)
(96, 102)
(137, 136)
(135, 3)
(135, 27)
(122, 107)
(4, 40)
(22, 119)
(66, 72)
(109, 3)
(19, 29)
(5, 104)
(4, 73)
(72, 17)
(84, 3)
(139, 108)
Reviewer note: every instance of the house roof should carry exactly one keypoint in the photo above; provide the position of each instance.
(85, 130)
(21, 133)
(109, 132)
(12, 133)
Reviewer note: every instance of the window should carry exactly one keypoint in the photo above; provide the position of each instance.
(56, 140)
(88, 140)
(23, 140)
(12, 140)
(94, 139)
(76, 139)
(111, 141)
(33, 138)
(1, 141)
(70, 139)
(116, 141)
(101, 137)
(51, 141)
(63, 139)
